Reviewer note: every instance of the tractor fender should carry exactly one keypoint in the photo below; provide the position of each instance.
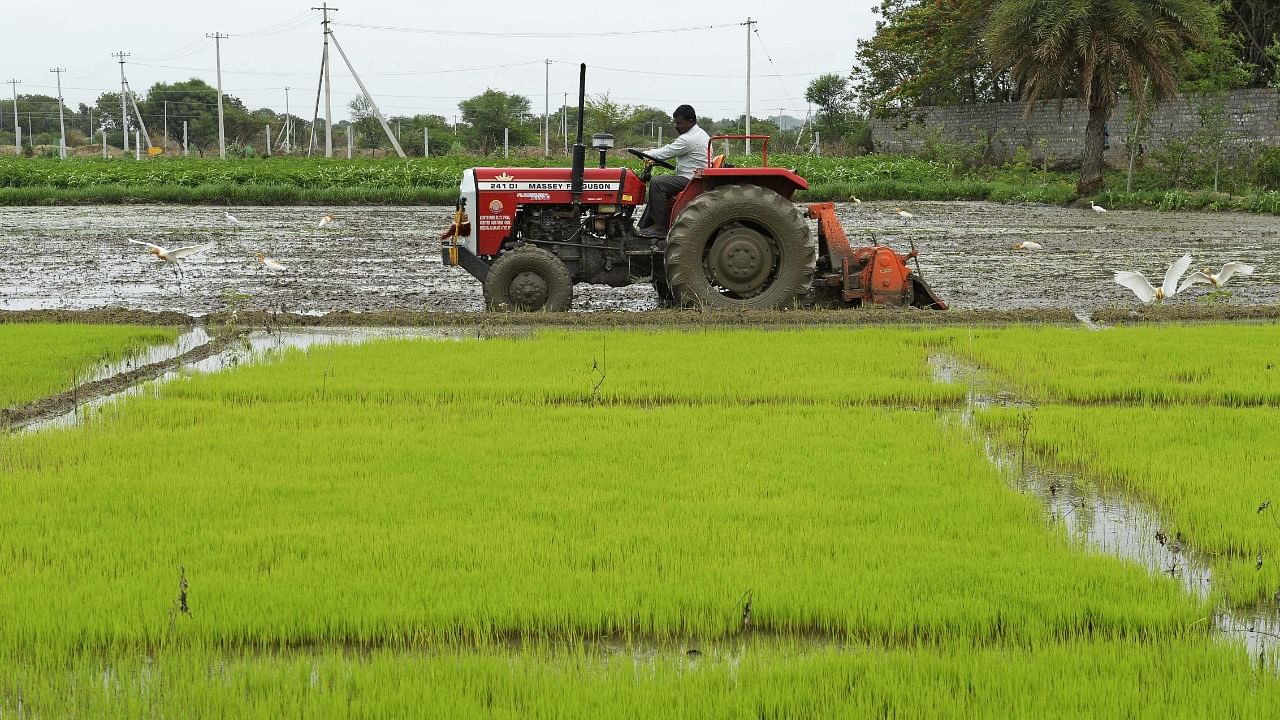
(780, 180)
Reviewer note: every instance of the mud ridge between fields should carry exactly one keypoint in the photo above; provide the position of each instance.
(18, 416)
(503, 323)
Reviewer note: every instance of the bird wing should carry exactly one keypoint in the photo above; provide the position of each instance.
(1174, 274)
(1193, 279)
(1138, 283)
(150, 245)
(190, 250)
(1232, 269)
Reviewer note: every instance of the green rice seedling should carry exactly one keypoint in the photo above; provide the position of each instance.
(1208, 471)
(369, 515)
(871, 366)
(1176, 677)
(1231, 365)
(403, 528)
(40, 360)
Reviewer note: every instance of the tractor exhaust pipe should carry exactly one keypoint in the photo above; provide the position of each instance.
(579, 150)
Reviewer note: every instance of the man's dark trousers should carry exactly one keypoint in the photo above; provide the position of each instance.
(662, 188)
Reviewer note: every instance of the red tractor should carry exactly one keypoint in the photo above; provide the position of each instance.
(737, 241)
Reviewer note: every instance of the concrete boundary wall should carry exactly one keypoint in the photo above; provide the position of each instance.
(1056, 128)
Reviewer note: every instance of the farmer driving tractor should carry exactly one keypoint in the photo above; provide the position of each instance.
(689, 150)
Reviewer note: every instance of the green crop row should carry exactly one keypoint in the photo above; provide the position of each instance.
(1177, 678)
(1234, 365)
(636, 368)
(41, 360)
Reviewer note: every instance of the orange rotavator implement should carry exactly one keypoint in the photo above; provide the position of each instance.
(865, 275)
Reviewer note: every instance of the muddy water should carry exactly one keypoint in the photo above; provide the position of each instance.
(1109, 522)
(380, 258)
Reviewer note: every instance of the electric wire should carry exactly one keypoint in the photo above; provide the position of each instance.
(545, 35)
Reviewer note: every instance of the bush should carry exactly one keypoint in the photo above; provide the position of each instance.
(1267, 167)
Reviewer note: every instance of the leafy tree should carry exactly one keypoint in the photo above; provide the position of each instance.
(603, 115)
(1257, 24)
(926, 52)
(834, 99)
(368, 130)
(489, 113)
(1089, 48)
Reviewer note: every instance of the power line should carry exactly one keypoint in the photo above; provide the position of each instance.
(545, 35)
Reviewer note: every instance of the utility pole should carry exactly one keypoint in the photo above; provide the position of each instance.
(328, 105)
(546, 113)
(564, 120)
(165, 141)
(124, 108)
(184, 138)
(750, 26)
(62, 125)
(426, 142)
(222, 131)
(288, 124)
(17, 131)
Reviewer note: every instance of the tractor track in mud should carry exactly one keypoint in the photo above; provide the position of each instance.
(386, 259)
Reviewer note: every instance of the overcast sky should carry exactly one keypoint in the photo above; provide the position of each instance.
(420, 57)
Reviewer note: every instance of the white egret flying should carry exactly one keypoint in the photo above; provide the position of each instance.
(1219, 278)
(1138, 283)
(173, 256)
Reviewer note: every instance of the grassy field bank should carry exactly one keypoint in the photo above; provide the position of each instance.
(549, 525)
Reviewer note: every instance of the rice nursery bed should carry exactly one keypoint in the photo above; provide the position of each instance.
(709, 523)
(41, 359)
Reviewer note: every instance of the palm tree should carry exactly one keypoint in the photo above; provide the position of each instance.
(1088, 48)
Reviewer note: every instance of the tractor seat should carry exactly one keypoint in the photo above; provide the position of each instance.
(718, 162)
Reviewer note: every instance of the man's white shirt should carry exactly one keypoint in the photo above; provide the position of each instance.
(690, 151)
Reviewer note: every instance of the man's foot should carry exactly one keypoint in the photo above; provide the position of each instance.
(651, 232)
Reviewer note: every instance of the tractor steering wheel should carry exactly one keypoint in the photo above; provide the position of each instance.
(645, 156)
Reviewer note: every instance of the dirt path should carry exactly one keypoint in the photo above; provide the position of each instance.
(386, 259)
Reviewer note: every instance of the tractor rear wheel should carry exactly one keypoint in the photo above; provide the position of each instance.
(740, 247)
(528, 278)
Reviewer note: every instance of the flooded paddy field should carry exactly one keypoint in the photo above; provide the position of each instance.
(379, 259)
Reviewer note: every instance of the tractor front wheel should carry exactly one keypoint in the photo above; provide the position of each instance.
(528, 279)
(740, 247)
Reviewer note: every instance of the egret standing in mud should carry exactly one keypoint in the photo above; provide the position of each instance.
(1097, 208)
(1028, 245)
(854, 199)
(1138, 283)
(328, 218)
(271, 263)
(903, 214)
(230, 218)
(173, 256)
(1219, 278)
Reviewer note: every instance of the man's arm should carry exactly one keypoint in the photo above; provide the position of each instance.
(675, 148)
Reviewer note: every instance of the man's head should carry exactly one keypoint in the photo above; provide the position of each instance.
(685, 118)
